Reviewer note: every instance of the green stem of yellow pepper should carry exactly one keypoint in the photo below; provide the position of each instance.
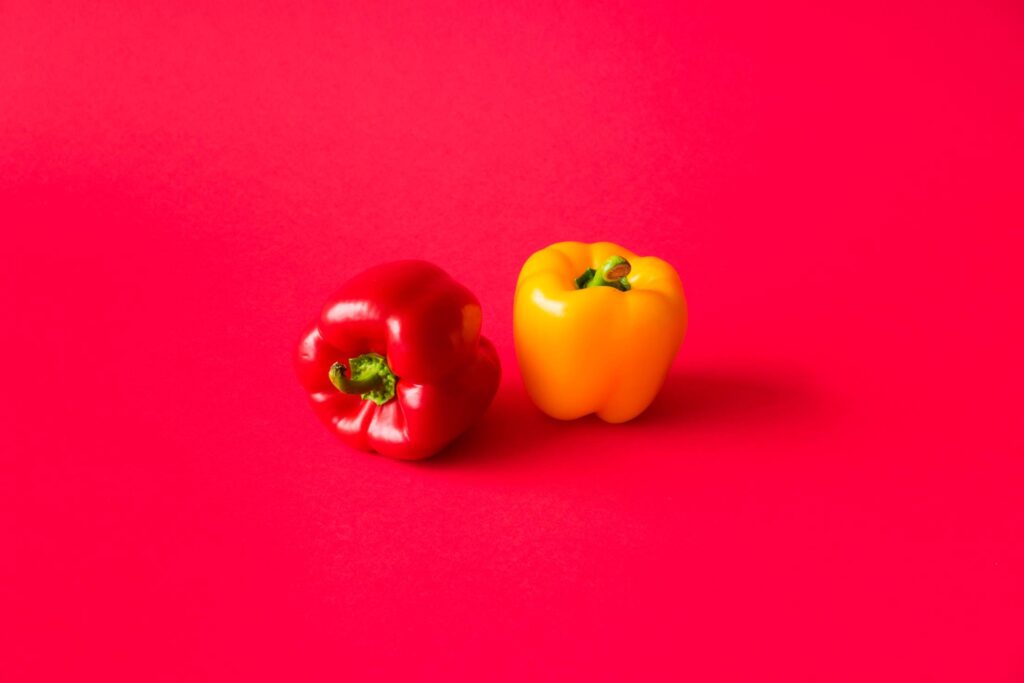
(611, 274)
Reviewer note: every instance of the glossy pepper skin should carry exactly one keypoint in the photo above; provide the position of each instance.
(396, 364)
(596, 328)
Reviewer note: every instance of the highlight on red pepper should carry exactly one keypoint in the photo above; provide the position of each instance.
(396, 364)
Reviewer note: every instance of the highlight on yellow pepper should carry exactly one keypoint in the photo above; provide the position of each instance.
(596, 328)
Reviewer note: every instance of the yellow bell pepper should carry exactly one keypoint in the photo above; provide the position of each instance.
(596, 328)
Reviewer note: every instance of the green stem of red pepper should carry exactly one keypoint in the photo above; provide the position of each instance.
(612, 273)
(370, 377)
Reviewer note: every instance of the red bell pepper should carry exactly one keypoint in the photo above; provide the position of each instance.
(396, 363)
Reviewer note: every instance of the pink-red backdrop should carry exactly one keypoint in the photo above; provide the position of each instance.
(830, 486)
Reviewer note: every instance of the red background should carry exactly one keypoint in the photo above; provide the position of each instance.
(829, 487)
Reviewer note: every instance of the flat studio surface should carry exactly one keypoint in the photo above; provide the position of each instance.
(827, 488)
